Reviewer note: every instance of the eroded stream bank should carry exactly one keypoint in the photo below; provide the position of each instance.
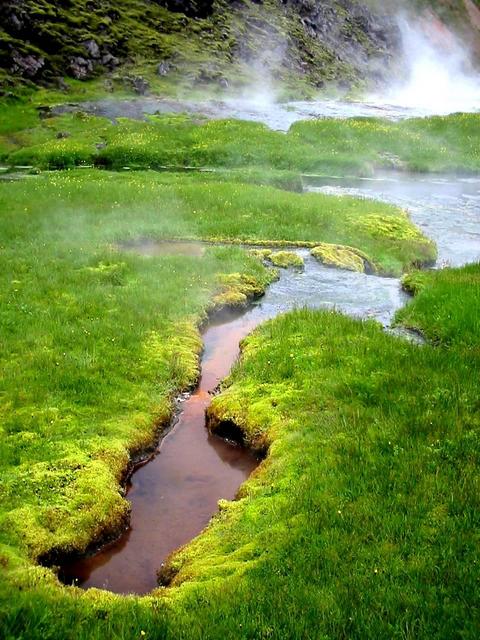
(175, 494)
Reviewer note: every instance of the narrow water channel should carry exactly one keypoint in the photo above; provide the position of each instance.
(174, 495)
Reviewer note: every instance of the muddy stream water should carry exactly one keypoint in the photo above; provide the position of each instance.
(175, 493)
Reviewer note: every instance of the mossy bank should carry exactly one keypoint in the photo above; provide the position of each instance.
(362, 519)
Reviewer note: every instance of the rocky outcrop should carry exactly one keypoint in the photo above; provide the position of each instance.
(350, 32)
(318, 40)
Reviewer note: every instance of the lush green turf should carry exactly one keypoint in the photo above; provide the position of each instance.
(357, 145)
(366, 509)
(363, 520)
(438, 143)
(190, 206)
(91, 336)
(443, 313)
(94, 343)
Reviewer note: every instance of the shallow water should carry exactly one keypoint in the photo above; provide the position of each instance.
(446, 208)
(147, 247)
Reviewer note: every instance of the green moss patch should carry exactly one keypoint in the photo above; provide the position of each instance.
(285, 259)
(334, 255)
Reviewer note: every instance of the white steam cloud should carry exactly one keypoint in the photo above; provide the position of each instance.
(439, 75)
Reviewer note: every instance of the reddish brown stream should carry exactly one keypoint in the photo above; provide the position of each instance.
(174, 495)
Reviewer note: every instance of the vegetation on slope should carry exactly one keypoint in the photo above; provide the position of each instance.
(196, 43)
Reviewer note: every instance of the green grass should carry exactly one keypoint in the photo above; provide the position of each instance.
(437, 143)
(325, 146)
(442, 312)
(363, 520)
(366, 509)
(94, 341)
(189, 206)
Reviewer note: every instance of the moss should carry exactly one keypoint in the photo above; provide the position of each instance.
(285, 259)
(202, 49)
(237, 290)
(261, 254)
(334, 255)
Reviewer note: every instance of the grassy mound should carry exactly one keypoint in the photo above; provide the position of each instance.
(334, 255)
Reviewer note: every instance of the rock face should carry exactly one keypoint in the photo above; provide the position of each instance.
(80, 68)
(192, 8)
(28, 65)
(351, 31)
(318, 40)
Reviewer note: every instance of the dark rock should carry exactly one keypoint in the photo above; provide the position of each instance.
(27, 65)
(80, 68)
(137, 83)
(164, 68)
(110, 61)
(44, 111)
(209, 73)
(140, 85)
(92, 49)
(15, 22)
(192, 8)
(353, 33)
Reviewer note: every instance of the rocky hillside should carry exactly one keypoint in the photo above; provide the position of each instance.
(219, 41)
(211, 40)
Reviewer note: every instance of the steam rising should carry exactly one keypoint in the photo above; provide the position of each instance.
(439, 73)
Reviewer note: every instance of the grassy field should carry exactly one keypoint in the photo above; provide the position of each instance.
(362, 521)
(95, 341)
(94, 345)
(326, 146)
(103, 205)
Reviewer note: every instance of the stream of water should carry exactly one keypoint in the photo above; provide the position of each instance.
(174, 495)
